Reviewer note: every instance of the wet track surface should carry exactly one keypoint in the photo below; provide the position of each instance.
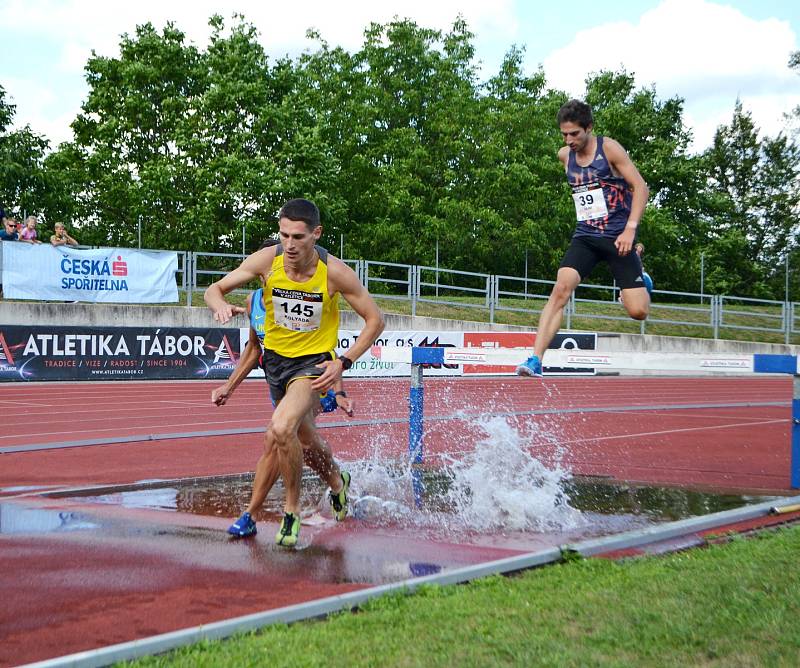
(128, 559)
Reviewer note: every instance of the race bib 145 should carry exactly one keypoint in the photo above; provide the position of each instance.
(297, 310)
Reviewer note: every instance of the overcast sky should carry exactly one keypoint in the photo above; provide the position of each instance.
(709, 53)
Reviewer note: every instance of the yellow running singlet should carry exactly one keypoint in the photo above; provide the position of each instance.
(301, 318)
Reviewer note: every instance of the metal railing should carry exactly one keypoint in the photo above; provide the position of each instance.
(382, 278)
(753, 315)
(450, 287)
(206, 268)
(699, 314)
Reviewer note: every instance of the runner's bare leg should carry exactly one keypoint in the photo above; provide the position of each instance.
(567, 280)
(293, 408)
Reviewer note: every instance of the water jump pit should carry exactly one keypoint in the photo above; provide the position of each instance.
(581, 508)
(143, 567)
(406, 520)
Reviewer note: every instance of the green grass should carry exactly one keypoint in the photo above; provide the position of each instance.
(734, 604)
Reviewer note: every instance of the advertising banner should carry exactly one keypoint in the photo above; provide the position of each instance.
(578, 341)
(149, 353)
(370, 366)
(116, 353)
(62, 273)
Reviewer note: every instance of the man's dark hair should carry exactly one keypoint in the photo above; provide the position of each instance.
(576, 111)
(301, 209)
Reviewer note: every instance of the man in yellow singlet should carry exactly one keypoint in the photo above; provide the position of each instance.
(302, 284)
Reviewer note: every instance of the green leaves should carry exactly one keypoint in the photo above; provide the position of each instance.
(23, 181)
(754, 199)
(402, 147)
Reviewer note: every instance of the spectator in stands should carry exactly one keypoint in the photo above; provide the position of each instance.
(9, 231)
(61, 238)
(28, 233)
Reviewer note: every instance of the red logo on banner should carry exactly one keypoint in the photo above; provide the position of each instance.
(119, 267)
(497, 340)
(5, 351)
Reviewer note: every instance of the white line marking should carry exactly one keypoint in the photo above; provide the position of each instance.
(671, 431)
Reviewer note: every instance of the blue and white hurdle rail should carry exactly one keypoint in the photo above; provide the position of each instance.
(581, 359)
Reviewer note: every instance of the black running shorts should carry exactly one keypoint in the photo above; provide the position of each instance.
(585, 252)
(281, 371)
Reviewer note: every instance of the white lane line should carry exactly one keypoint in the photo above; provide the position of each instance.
(672, 431)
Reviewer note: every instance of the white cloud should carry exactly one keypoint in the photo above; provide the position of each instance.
(69, 30)
(709, 54)
(82, 25)
(35, 104)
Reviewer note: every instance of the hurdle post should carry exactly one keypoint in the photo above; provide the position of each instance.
(416, 407)
(789, 364)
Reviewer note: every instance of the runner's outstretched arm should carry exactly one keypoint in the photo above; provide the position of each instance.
(254, 267)
(248, 361)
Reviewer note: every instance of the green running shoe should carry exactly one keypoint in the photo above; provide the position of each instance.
(339, 499)
(290, 527)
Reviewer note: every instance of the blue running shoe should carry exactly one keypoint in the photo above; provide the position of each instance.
(243, 527)
(530, 367)
(328, 402)
(648, 283)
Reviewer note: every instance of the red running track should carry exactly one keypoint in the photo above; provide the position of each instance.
(742, 447)
(148, 572)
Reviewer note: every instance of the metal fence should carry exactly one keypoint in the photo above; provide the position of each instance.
(453, 292)
(206, 268)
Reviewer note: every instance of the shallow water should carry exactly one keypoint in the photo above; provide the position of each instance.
(495, 487)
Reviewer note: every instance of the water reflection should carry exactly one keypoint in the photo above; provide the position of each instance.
(389, 498)
(17, 519)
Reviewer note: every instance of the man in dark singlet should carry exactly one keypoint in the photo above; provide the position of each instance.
(610, 197)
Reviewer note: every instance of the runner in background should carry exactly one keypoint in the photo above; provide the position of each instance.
(610, 198)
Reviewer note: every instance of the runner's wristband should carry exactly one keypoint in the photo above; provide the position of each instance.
(346, 362)
(340, 393)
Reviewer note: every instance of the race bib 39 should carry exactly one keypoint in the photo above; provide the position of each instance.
(589, 202)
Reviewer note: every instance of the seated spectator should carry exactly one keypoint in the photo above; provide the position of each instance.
(9, 231)
(61, 238)
(28, 233)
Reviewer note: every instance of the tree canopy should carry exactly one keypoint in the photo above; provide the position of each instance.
(404, 149)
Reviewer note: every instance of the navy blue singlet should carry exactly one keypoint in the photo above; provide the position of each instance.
(602, 200)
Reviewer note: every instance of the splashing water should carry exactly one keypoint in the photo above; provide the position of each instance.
(501, 485)
(498, 485)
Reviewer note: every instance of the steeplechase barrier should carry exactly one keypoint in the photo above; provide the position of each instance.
(419, 357)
